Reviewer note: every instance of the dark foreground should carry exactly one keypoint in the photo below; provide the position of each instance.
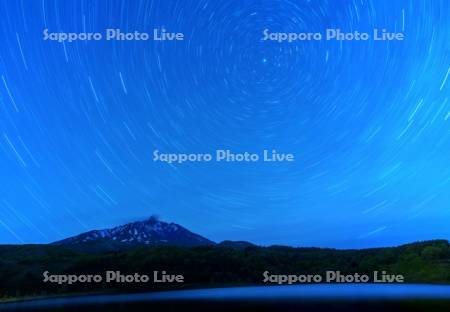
(22, 267)
(354, 297)
(266, 305)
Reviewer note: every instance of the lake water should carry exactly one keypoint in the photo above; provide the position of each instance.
(314, 296)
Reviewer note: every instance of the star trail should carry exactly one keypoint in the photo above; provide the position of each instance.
(367, 120)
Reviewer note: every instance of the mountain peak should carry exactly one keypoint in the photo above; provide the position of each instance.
(150, 231)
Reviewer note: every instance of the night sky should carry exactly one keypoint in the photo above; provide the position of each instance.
(367, 121)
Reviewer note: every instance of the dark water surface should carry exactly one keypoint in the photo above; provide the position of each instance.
(323, 297)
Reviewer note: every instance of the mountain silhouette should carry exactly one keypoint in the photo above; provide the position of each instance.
(151, 232)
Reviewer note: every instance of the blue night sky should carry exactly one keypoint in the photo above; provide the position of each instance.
(367, 121)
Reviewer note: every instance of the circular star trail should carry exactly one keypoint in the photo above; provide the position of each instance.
(368, 121)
